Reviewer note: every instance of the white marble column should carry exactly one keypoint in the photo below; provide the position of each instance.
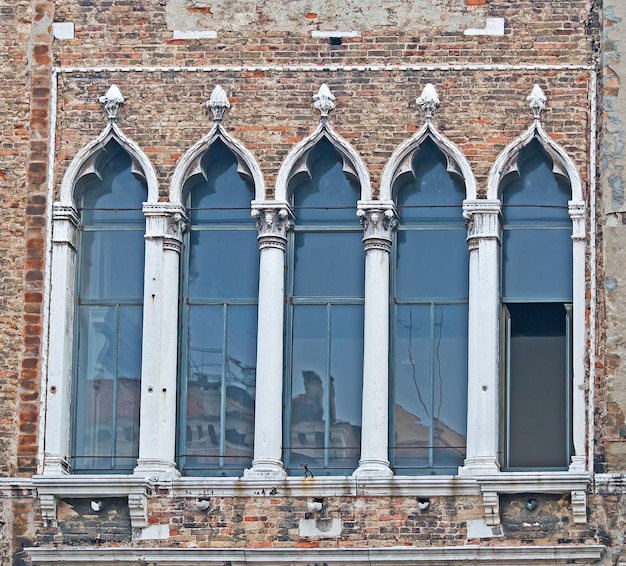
(578, 460)
(483, 396)
(273, 221)
(65, 223)
(165, 223)
(379, 220)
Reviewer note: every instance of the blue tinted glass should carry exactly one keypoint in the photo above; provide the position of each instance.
(537, 195)
(329, 264)
(537, 264)
(430, 387)
(220, 387)
(223, 264)
(429, 193)
(220, 194)
(326, 387)
(107, 391)
(117, 198)
(432, 264)
(111, 265)
(329, 196)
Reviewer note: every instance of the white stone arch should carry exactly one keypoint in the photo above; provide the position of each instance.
(190, 163)
(400, 161)
(86, 163)
(297, 160)
(507, 162)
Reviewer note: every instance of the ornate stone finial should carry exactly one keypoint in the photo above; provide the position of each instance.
(324, 100)
(537, 101)
(429, 101)
(218, 103)
(112, 101)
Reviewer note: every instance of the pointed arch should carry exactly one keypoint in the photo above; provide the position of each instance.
(297, 162)
(400, 161)
(89, 160)
(190, 163)
(507, 162)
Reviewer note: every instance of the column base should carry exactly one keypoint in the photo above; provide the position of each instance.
(55, 466)
(156, 469)
(265, 469)
(578, 464)
(373, 469)
(479, 466)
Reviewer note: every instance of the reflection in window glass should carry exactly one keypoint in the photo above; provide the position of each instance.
(429, 361)
(109, 318)
(325, 362)
(536, 295)
(219, 320)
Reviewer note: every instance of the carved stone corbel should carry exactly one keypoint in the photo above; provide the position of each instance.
(138, 508)
(48, 505)
(491, 500)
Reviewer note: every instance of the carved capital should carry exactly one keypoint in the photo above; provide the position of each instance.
(482, 218)
(378, 223)
(65, 222)
(272, 224)
(577, 214)
(167, 222)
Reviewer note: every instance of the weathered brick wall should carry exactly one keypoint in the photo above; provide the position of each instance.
(482, 110)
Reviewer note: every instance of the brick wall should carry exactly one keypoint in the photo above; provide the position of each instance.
(265, 64)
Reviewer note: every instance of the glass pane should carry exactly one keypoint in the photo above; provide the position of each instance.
(327, 374)
(430, 387)
(111, 265)
(328, 196)
(346, 386)
(537, 432)
(537, 264)
(117, 198)
(329, 264)
(432, 264)
(430, 193)
(130, 329)
(223, 264)
(220, 194)
(211, 368)
(240, 385)
(106, 406)
(205, 361)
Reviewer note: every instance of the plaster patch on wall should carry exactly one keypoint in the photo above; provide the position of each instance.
(322, 15)
(63, 30)
(493, 26)
(320, 527)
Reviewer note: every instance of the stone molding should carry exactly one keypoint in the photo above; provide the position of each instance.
(65, 223)
(389, 556)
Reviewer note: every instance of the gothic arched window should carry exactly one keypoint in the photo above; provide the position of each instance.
(325, 290)
(106, 393)
(219, 281)
(429, 318)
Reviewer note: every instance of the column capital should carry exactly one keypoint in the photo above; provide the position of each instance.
(273, 220)
(482, 218)
(577, 214)
(379, 219)
(166, 221)
(65, 219)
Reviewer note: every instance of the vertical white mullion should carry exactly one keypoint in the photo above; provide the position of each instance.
(379, 220)
(483, 413)
(165, 223)
(272, 224)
